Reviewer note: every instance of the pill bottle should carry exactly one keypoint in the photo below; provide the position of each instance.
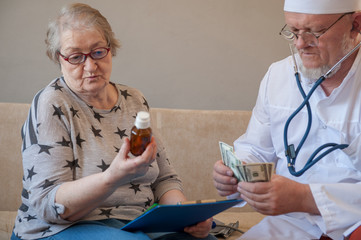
(141, 133)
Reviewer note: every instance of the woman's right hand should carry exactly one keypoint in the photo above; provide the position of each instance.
(85, 194)
(123, 168)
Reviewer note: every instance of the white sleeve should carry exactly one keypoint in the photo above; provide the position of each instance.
(339, 205)
(256, 144)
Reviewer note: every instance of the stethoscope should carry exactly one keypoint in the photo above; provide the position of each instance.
(290, 151)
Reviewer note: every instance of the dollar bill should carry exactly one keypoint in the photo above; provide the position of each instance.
(224, 148)
(257, 172)
(233, 164)
(245, 172)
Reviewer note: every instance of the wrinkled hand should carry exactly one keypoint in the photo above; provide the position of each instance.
(123, 168)
(223, 179)
(201, 229)
(280, 195)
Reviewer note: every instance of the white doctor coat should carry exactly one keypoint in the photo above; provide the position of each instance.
(335, 179)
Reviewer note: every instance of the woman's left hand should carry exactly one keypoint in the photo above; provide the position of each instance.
(201, 229)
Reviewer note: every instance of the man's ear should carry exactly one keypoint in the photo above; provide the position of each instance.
(356, 24)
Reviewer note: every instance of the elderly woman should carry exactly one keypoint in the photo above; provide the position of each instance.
(79, 180)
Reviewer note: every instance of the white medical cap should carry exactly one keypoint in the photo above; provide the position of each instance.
(322, 6)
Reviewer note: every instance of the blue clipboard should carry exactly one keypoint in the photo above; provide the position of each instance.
(173, 218)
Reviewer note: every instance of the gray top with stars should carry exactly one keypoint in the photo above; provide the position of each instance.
(65, 139)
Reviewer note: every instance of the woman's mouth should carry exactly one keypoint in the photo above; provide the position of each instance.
(93, 77)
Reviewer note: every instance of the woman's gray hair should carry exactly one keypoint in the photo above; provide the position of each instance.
(78, 16)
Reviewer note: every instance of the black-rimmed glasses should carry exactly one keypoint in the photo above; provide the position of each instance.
(309, 38)
(78, 58)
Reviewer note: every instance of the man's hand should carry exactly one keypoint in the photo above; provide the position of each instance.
(280, 195)
(223, 179)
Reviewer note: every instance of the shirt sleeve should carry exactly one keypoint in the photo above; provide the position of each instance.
(46, 146)
(339, 205)
(167, 179)
(256, 144)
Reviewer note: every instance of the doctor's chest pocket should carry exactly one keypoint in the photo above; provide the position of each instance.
(353, 154)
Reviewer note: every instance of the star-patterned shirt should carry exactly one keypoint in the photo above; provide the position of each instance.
(65, 139)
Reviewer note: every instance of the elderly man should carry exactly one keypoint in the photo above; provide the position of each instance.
(316, 191)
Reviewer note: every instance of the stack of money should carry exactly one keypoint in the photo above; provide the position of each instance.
(245, 172)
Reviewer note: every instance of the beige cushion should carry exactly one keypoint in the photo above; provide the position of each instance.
(12, 117)
(7, 219)
(190, 136)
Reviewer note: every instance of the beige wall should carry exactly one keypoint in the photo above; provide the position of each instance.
(193, 54)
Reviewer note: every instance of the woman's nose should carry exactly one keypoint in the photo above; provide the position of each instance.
(90, 64)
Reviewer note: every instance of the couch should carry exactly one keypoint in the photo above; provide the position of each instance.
(190, 136)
